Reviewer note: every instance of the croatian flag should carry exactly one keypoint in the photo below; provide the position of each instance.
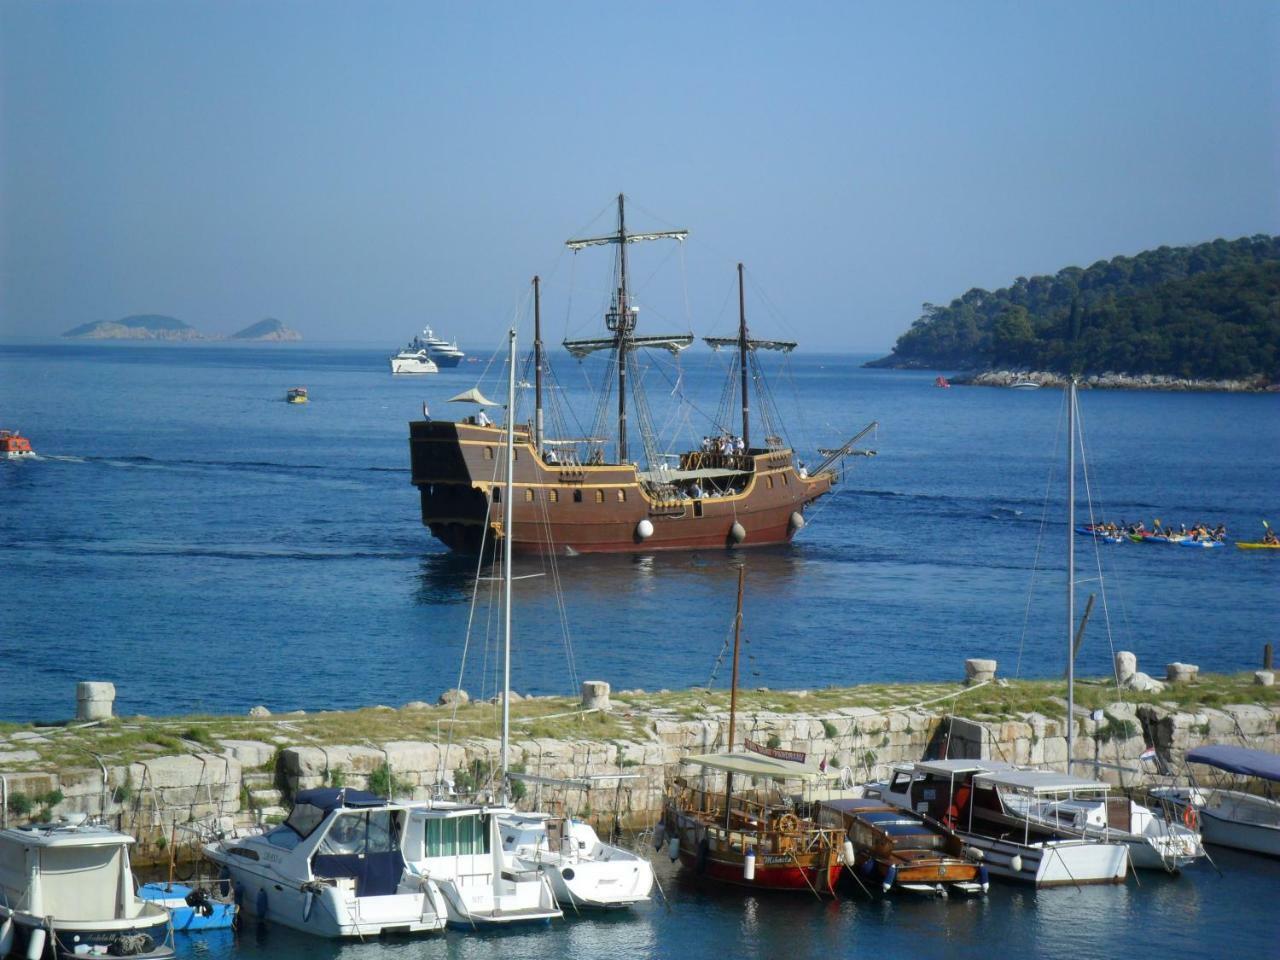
(1148, 754)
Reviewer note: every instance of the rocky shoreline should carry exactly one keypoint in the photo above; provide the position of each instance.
(1116, 381)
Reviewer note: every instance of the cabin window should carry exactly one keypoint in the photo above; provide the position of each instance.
(553, 496)
(488, 453)
(577, 496)
(456, 836)
(622, 495)
(528, 494)
(900, 783)
(304, 818)
(599, 496)
(697, 508)
(768, 482)
(786, 479)
(497, 494)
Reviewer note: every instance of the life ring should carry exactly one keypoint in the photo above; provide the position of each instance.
(788, 823)
(1190, 818)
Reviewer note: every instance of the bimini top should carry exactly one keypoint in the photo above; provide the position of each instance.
(954, 767)
(1037, 781)
(1250, 763)
(331, 798)
(758, 765)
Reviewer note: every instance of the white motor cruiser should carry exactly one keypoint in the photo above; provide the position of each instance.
(410, 360)
(335, 868)
(583, 870)
(1232, 817)
(66, 890)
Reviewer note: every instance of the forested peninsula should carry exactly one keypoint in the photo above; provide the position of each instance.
(1208, 313)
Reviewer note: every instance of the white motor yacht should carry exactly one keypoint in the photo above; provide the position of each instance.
(335, 868)
(458, 849)
(583, 870)
(411, 360)
(66, 890)
(1232, 817)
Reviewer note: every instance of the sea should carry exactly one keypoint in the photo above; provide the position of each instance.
(188, 535)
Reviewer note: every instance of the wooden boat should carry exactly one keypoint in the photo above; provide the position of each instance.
(1232, 817)
(761, 832)
(899, 850)
(296, 395)
(575, 496)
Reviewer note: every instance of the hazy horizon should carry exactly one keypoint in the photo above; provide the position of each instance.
(359, 172)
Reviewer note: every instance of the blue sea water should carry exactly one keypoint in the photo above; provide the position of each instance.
(206, 546)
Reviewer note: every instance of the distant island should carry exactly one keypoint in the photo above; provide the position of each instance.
(1206, 316)
(152, 326)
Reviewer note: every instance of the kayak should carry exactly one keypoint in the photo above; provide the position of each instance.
(1151, 538)
(1258, 546)
(1200, 543)
(1099, 534)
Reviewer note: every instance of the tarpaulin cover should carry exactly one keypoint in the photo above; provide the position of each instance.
(1250, 763)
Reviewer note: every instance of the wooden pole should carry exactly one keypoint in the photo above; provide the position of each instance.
(733, 694)
(537, 366)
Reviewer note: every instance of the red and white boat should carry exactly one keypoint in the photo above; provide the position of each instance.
(13, 445)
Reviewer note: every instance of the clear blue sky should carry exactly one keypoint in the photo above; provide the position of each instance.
(359, 169)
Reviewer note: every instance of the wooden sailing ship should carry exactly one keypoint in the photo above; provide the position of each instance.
(571, 496)
(761, 831)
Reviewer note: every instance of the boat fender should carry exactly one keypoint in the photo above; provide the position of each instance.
(260, 903)
(35, 944)
(673, 848)
(308, 901)
(6, 937)
(867, 867)
(975, 853)
(749, 864)
(890, 875)
(737, 533)
(984, 880)
(1015, 863)
(797, 520)
(644, 529)
(704, 851)
(659, 835)
(849, 856)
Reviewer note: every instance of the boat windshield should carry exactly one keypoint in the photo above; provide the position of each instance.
(304, 818)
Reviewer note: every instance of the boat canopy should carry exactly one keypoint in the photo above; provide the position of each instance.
(1038, 782)
(331, 798)
(758, 765)
(956, 767)
(1249, 763)
(474, 396)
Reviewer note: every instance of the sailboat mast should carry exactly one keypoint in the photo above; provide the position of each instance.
(537, 366)
(507, 504)
(742, 361)
(623, 332)
(733, 698)
(1071, 569)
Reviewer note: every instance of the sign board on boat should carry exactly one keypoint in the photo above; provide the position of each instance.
(795, 756)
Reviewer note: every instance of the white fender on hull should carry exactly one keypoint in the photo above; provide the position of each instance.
(644, 529)
(737, 533)
(797, 520)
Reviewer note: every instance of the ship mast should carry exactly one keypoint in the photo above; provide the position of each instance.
(1071, 569)
(537, 366)
(742, 362)
(622, 323)
(733, 696)
(507, 521)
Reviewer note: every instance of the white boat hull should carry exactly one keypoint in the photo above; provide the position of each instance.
(1230, 818)
(413, 365)
(1054, 862)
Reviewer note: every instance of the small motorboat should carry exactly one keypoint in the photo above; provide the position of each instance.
(14, 446)
(898, 850)
(66, 892)
(193, 908)
(297, 395)
(1232, 816)
(1024, 385)
(942, 382)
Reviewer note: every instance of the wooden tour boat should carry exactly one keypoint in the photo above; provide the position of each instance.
(762, 833)
(572, 496)
(296, 395)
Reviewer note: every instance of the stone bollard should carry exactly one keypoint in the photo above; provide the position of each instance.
(1264, 678)
(451, 697)
(94, 699)
(595, 695)
(1181, 672)
(979, 671)
(1126, 666)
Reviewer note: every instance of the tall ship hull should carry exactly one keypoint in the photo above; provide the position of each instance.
(610, 508)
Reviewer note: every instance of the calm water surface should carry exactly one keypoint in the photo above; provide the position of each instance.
(207, 546)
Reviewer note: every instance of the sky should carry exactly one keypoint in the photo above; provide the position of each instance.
(358, 170)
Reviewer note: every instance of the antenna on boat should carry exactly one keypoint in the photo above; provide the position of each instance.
(742, 362)
(507, 504)
(1071, 569)
(733, 694)
(537, 366)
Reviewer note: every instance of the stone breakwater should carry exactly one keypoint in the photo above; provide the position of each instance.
(232, 771)
(1115, 381)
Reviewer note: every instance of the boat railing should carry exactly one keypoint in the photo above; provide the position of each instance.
(703, 460)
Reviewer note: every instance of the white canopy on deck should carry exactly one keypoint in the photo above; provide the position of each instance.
(758, 765)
